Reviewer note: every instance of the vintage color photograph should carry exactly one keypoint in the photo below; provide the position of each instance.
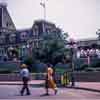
(49, 50)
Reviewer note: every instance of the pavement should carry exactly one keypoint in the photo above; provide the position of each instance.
(32, 82)
(90, 86)
(12, 92)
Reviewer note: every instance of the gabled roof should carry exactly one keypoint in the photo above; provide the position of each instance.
(5, 18)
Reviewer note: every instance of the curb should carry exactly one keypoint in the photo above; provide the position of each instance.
(83, 88)
(42, 85)
(20, 84)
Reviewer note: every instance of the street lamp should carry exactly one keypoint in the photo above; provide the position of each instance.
(72, 45)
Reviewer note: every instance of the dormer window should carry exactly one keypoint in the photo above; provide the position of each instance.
(47, 30)
(33, 32)
(36, 30)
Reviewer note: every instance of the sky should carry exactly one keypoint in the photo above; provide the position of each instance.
(80, 18)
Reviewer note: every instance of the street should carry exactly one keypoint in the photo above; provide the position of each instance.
(9, 92)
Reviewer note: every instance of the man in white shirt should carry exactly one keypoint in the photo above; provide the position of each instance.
(24, 72)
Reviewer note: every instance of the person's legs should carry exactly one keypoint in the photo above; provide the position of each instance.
(47, 92)
(23, 88)
(46, 87)
(27, 90)
(26, 86)
(53, 86)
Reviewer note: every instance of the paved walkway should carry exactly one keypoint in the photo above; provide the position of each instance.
(12, 92)
(32, 82)
(92, 86)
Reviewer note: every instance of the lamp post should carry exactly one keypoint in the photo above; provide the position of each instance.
(72, 44)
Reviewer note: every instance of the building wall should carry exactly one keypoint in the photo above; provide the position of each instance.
(0, 17)
(88, 42)
(7, 23)
(23, 40)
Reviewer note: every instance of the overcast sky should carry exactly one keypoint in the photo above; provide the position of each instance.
(80, 18)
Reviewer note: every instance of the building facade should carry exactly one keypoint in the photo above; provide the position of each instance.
(19, 43)
(88, 42)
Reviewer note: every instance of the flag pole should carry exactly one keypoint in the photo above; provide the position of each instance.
(43, 4)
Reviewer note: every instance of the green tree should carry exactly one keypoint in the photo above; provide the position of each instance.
(53, 48)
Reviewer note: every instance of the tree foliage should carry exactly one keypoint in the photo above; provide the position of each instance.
(53, 48)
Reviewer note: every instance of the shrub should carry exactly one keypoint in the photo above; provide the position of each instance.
(83, 67)
(89, 69)
(5, 71)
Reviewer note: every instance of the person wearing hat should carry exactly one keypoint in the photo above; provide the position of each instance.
(24, 72)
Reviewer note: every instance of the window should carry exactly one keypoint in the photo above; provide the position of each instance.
(12, 38)
(2, 39)
(47, 30)
(1, 51)
(36, 30)
(36, 44)
(8, 24)
(23, 36)
(33, 32)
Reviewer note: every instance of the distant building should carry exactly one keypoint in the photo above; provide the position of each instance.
(23, 40)
(88, 43)
(88, 48)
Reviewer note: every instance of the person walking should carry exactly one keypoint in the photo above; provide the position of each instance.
(50, 83)
(24, 72)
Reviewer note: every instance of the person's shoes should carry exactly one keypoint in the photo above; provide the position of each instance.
(56, 91)
(47, 94)
(21, 93)
(28, 94)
